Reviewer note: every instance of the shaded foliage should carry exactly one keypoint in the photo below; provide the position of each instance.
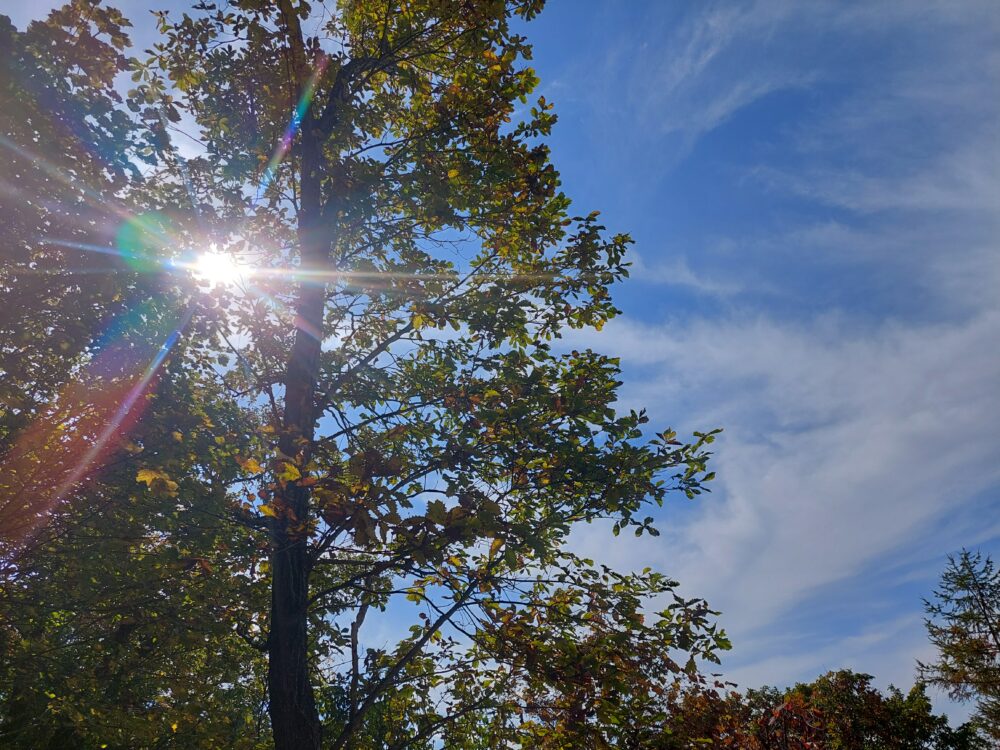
(839, 710)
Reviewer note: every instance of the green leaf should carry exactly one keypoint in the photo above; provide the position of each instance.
(437, 512)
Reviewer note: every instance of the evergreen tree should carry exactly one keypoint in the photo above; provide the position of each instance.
(963, 623)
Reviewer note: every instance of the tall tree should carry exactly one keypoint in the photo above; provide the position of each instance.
(117, 604)
(963, 623)
(381, 405)
(405, 199)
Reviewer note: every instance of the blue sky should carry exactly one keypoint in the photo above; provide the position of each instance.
(815, 193)
(814, 188)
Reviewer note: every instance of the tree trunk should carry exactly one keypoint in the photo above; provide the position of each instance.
(294, 720)
(295, 723)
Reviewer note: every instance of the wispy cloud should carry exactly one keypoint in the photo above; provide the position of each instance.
(678, 88)
(841, 447)
(861, 441)
(677, 272)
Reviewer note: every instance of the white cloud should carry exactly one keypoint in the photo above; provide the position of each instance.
(862, 652)
(842, 448)
(677, 272)
(679, 87)
(839, 445)
(860, 445)
(673, 76)
(964, 180)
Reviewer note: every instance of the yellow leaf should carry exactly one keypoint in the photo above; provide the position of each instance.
(149, 476)
(452, 174)
(290, 472)
(268, 510)
(495, 547)
(252, 466)
(163, 486)
(177, 436)
(173, 727)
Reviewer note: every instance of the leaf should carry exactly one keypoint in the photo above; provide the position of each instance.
(252, 466)
(165, 488)
(495, 547)
(289, 472)
(268, 510)
(149, 476)
(437, 512)
(490, 507)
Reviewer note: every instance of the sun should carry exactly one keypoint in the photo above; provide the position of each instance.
(214, 268)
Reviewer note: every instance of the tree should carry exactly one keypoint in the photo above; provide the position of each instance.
(115, 629)
(839, 710)
(382, 408)
(858, 716)
(120, 628)
(963, 623)
(56, 93)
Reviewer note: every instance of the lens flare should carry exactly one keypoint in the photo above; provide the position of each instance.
(143, 241)
(285, 144)
(214, 268)
(63, 447)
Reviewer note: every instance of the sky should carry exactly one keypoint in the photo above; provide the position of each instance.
(814, 191)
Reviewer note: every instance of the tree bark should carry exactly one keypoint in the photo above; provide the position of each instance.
(295, 722)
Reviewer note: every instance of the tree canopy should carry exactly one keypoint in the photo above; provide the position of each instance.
(220, 497)
(841, 710)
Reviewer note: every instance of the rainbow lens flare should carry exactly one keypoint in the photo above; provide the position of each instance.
(285, 144)
(143, 241)
(87, 422)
